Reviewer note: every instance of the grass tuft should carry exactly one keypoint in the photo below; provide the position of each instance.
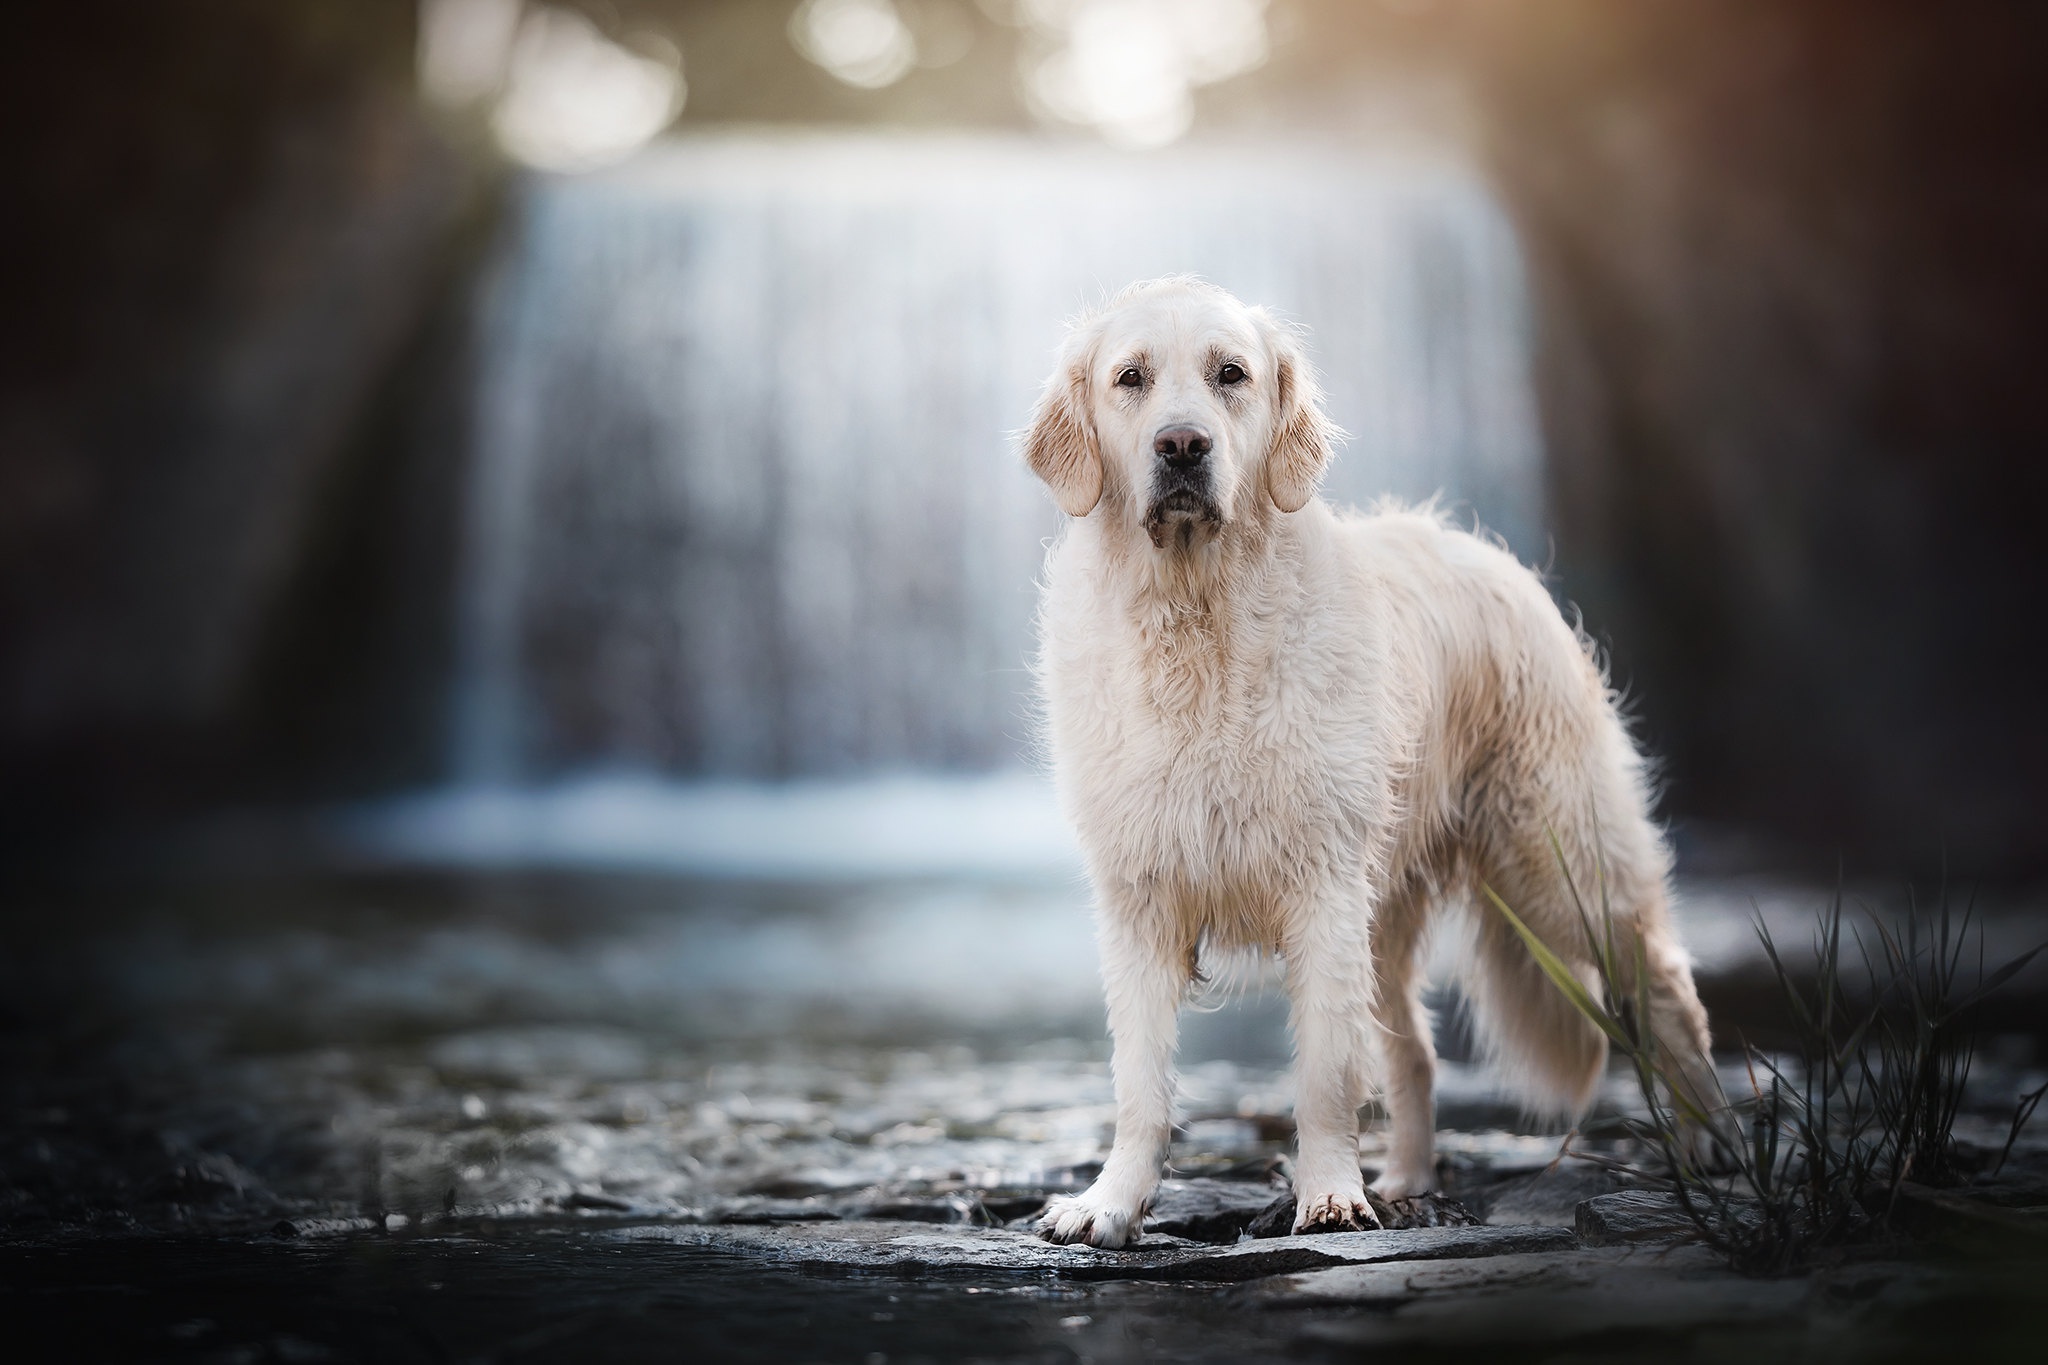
(1864, 1099)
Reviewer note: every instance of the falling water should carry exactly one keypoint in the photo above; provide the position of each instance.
(744, 502)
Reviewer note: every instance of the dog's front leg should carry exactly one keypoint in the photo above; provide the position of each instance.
(1144, 977)
(1329, 982)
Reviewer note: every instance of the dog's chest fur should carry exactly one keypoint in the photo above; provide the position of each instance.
(1194, 749)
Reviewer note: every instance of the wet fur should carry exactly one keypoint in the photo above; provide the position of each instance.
(1279, 726)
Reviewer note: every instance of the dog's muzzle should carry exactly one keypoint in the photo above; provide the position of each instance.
(1181, 505)
(1182, 500)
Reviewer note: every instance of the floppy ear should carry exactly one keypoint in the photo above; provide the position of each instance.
(1302, 435)
(1060, 446)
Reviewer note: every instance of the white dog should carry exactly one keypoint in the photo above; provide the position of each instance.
(1278, 726)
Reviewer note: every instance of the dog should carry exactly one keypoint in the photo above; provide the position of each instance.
(1281, 727)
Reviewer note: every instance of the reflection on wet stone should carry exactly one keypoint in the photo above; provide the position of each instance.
(437, 1066)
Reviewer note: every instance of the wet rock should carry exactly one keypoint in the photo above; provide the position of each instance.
(1254, 1259)
(1628, 1217)
(325, 1227)
(881, 1204)
(1550, 1196)
(773, 1211)
(596, 1201)
(1207, 1210)
(1014, 1208)
(2016, 1188)
(519, 1054)
(208, 1177)
(1431, 1210)
(912, 1208)
(1275, 1220)
(1404, 1281)
(1670, 1291)
(894, 1247)
(879, 1245)
(1969, 1221)
(780, 1185)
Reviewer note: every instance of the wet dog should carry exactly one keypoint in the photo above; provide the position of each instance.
(1277, 726)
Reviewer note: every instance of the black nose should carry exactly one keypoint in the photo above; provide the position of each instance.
(1181, 447)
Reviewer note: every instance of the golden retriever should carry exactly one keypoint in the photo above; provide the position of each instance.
(1279, 726)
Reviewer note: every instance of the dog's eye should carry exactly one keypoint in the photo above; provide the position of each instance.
(1130, 377)
(1232, 373)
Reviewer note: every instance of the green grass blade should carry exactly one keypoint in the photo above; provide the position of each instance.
(1561, 975)
(1993, 982)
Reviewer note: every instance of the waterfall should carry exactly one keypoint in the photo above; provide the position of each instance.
(743, 500)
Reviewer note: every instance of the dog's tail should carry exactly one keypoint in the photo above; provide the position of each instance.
(1542, 1049)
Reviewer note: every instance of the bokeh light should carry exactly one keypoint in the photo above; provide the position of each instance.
(563, 95)
(574, 99)
(862, 42)
(1129, 68)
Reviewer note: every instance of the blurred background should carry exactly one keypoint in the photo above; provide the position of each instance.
(477, 393)
(516, 592)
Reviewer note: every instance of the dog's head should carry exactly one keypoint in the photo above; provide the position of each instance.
(1180, 410)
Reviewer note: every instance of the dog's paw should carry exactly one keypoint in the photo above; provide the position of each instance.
(1334, 1213)
(1070, 1218)
(1399, 1184)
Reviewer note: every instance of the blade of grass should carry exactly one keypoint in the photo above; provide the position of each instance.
(1559, 973)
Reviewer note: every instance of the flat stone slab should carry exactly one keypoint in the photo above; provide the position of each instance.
(1523, 1297)
(2010, 1221)
(1632, 1217)
(1659, 1303)
(1550, 1195)
(1208, 1210)
(1400, 1282)
(1398, 1215)
(931, 1249)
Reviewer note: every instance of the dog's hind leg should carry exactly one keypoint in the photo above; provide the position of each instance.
(1406, 1051)
(1145, 975)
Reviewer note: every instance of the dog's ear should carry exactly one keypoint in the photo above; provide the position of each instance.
(1302, 436)
(1060, 446)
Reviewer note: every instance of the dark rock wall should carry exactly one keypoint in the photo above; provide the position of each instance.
(223, 217)
(1790, 300)
(1792, 294)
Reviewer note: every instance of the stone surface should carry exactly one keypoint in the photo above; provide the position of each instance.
(1659, 1302)
(1406, 1282)
(1550, 1196)
(1632, 1216)
(511, 1120)
(1432, 1210)
(1208, 1210)
(1608, 1292)
(874, 1204)
(2012, 1221)
(867, 1245)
